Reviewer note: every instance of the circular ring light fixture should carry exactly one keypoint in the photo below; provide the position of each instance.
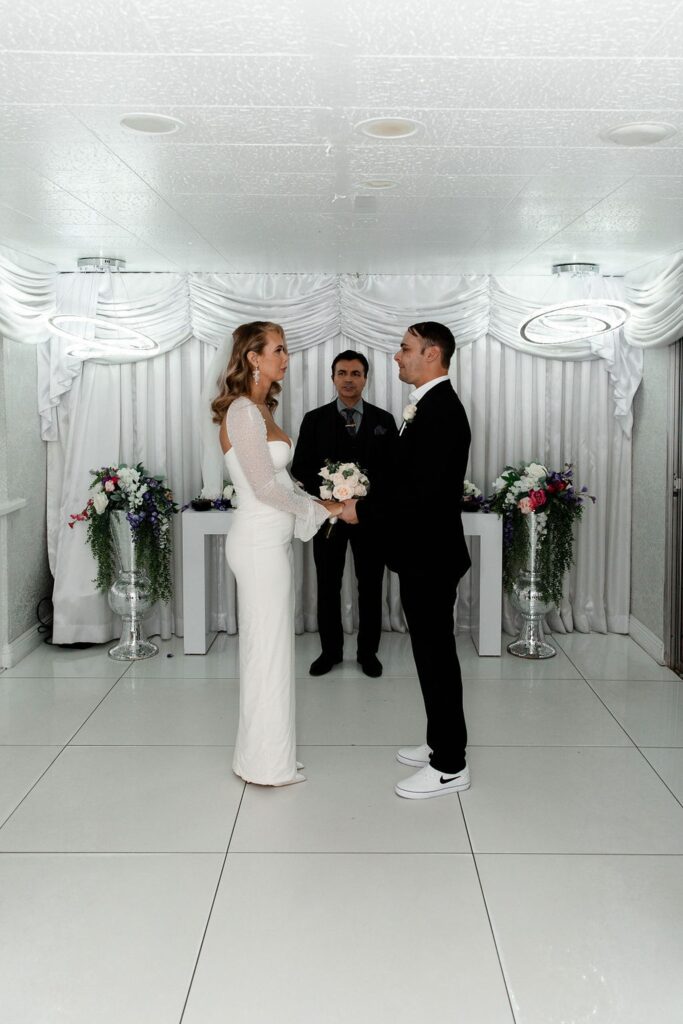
(574, 321)
(151, 124)
(577, 269)
(109, 339)
(100, 263)
(388, 127)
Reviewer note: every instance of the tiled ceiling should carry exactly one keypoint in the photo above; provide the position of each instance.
(507, 175)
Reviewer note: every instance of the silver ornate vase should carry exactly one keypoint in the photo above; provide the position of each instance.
(129, 595)
(526, 597)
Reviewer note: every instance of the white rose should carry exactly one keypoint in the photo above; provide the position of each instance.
(535, 471)
(360, 491)
(100, 501)
(326, 491)
(228, 491)
(338, 479)
(325, 473)
(353, 479)
(409, 413)
(342, 492)
(471, 490)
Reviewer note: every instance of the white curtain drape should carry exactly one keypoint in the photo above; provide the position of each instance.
(27, 297)
(654, 295)
(554, 407)
(521, 407)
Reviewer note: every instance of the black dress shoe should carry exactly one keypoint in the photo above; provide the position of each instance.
(323, 665)
(371, 665)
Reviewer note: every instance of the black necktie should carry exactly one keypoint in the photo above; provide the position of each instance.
(350, 422)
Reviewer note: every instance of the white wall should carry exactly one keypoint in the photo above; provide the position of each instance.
(650, 493)
(23, 546)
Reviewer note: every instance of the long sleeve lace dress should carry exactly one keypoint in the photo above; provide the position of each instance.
(258, 549)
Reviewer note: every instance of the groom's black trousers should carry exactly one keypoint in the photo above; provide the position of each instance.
(428, 606)
(330, 557)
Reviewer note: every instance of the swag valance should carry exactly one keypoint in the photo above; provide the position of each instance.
(367, 310)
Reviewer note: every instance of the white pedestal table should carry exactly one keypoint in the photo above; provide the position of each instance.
(486, 551)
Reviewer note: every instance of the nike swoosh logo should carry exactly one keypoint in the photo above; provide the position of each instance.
(452, 779)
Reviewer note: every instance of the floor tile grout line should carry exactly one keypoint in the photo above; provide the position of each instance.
(636, 745)
(30, 790)
(213, 903)
(97, 706)
(486, 909)
(339, 853)
(662, 780)
(56, 758)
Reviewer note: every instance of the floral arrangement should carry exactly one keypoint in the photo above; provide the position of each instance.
(209, 499)
(341, 481)
(472, 499)
(556, 503)
(148, 505)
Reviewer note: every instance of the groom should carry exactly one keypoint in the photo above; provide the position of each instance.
(426, 547)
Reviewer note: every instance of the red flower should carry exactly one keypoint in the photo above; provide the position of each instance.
(536, 499)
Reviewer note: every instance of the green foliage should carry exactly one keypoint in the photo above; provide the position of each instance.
(554, 503)
(148, 505)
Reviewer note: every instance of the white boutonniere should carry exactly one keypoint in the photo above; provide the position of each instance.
(409, 413)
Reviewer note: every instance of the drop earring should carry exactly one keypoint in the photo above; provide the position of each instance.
(257, 375)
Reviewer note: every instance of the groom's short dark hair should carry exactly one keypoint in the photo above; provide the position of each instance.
(432, 333)
(348, 356)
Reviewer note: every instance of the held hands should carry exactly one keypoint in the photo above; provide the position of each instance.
(348, 513)
(344, 510)
(335, 508)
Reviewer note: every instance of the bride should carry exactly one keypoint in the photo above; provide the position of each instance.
(259, 551)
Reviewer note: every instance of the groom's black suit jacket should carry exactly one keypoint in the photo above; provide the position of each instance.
(419, 501)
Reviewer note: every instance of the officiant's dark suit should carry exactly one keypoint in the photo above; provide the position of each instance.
(349, 429)
(426, 547)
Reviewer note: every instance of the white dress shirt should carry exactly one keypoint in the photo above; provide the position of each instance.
(415, 396)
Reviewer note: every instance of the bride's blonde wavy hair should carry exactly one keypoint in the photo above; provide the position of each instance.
(238, 377)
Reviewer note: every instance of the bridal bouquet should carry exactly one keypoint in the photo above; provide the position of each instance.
(149, 505)
(552, 498)
(341, 481)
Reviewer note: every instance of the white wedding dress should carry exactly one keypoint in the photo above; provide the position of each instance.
(258, 548)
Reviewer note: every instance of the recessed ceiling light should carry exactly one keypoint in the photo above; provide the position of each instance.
(151, 124)
(377, 183)
(639, 133)
(388, 127)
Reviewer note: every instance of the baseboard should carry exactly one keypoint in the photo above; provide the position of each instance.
(12, 653)
(646, 639)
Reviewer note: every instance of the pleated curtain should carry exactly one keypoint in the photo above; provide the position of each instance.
(521, 406)
(570, 403)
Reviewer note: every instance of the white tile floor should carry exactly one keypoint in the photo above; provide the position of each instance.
(140, 881)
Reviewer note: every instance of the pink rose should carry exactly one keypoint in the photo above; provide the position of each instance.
(524, 505)
(109, 486)
(537, 499)
(342, 492)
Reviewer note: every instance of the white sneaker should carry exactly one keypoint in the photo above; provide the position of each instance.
(428, 782)
(414, 756)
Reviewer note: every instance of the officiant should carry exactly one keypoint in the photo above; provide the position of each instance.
(348, 429)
